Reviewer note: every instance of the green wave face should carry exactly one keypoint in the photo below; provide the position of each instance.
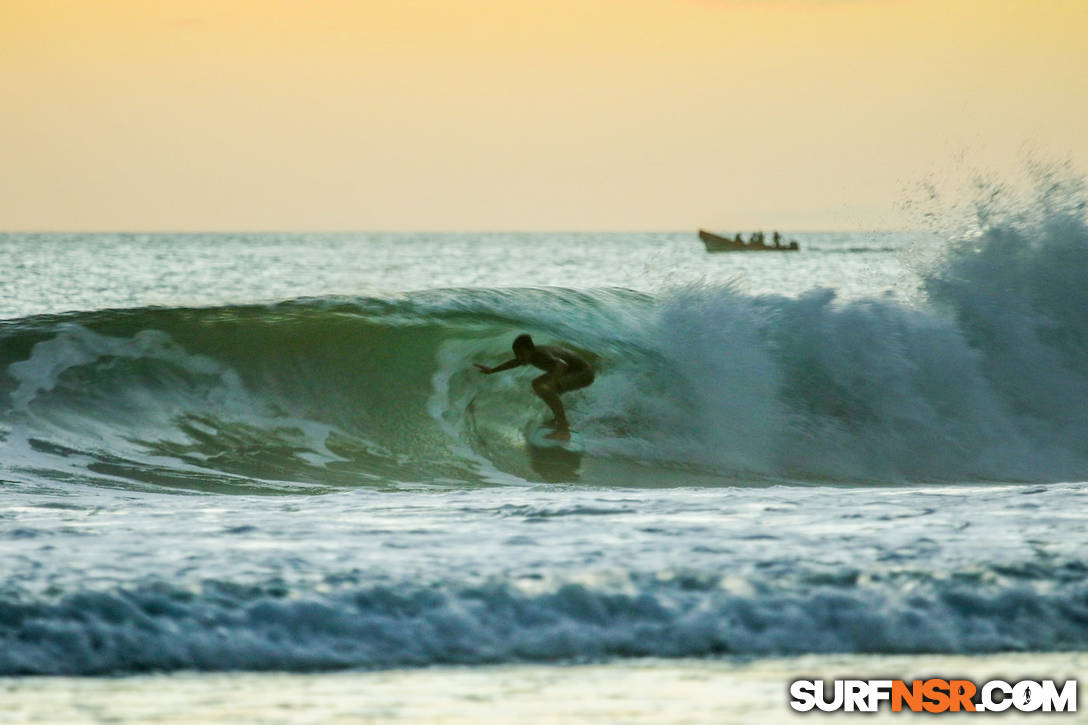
(304, 395)
(700, 385)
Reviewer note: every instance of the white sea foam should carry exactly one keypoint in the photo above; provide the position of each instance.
(227, 627)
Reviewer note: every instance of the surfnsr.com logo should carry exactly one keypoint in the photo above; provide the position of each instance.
(933, 695)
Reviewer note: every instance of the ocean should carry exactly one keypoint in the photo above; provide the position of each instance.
(256, 477)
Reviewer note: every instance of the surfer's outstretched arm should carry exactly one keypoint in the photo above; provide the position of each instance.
(509, 364)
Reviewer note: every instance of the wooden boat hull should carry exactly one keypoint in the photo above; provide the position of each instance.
(715, 243)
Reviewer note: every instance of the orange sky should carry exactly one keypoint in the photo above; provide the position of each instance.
(521, 114)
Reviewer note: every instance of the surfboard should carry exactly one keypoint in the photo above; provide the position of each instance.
(537, 437)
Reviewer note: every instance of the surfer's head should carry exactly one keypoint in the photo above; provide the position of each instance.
(523, 347)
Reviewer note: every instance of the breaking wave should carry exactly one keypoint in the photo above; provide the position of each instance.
(984, 380)
(227, 626)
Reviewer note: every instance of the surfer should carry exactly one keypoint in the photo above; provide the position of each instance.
(564, 370)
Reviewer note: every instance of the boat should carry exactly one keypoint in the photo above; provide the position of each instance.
(715, 243)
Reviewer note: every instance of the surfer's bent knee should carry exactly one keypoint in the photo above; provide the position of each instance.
(575, 381)
(543, 385)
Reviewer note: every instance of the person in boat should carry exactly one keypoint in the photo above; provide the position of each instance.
(777, 240)
(756, 239)
(564, 370)
(738, 239)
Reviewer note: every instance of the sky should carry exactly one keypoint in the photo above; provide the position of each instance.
(460, 115)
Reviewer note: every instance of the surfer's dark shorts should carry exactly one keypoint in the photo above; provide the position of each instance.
(574, 380)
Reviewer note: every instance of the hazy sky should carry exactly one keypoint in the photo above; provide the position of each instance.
(521, 114)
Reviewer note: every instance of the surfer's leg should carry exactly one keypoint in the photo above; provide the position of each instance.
(544, 388)
(574, 381)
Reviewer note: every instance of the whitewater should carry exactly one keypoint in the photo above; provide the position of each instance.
(229, 454)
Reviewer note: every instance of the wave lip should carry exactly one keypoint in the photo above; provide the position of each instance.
(234, 627)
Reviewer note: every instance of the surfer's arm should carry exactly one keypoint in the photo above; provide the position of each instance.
(498, 368)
